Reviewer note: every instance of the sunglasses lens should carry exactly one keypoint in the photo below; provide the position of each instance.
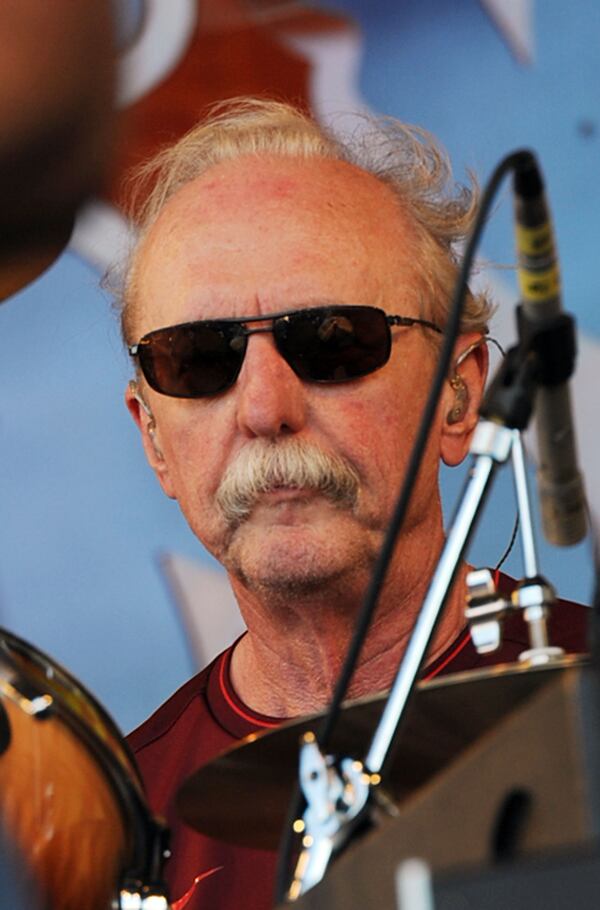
(334, 344)
(321, 344)
(193, 360)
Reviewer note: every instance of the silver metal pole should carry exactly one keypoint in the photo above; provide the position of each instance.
(530, 560)
(491, 444)
(414, 890)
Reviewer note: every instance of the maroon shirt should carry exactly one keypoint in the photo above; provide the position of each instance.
(205, 717)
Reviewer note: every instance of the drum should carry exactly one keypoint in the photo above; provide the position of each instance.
(71, 798)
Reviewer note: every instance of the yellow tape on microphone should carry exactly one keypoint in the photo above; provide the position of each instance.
(538, 286)
(534, 241)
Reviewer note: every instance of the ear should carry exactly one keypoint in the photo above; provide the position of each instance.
(144, 419)
(461, 400)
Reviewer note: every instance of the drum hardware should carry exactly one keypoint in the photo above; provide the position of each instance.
(486, 609)
(414, 887)
(445, 718)
(146, 889)
(144, 898)
(37, 706)
(335, 797)
(534, 595)
(524, 792)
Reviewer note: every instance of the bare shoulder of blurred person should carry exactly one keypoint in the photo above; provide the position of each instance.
(56, 92)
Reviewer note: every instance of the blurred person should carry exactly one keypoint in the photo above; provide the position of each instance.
(56, 98)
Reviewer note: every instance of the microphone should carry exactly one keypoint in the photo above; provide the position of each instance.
(560, 485)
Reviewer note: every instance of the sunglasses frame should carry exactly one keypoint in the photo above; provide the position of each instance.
(331, 309)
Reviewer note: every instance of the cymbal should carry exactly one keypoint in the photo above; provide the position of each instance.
(243, 795)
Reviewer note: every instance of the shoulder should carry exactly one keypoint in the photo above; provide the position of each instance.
(171, 711)
(193, 726)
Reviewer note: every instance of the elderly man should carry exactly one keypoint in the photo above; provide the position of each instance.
(283, 306)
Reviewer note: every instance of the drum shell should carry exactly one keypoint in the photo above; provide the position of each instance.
(70, 795)
(62, 813)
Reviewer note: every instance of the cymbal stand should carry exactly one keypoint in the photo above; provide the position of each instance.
(337, 798)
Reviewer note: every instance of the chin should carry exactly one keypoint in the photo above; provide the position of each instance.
(295, 563)
(286, 585)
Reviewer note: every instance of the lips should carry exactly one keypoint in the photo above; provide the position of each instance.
(285, 494)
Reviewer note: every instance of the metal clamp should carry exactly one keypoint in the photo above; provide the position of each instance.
(535, 597)
(334, 798)
(485, 611)
(142, 898)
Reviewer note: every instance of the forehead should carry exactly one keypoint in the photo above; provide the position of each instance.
(257, 235)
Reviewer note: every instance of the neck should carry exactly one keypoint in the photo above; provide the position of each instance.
(301, 642)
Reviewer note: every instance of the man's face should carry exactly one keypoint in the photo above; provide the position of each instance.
(257, 236)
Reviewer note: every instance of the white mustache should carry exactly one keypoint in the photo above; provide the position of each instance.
(262, 467)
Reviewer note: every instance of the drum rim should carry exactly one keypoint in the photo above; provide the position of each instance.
(121, 771)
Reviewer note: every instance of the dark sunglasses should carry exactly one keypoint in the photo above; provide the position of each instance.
(321, 344)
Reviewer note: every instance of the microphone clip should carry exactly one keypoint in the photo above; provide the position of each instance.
(545, 356)
(552, 341)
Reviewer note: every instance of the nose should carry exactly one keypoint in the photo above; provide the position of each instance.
(271, 398)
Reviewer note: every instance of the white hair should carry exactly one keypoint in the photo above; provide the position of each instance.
(405, 158)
